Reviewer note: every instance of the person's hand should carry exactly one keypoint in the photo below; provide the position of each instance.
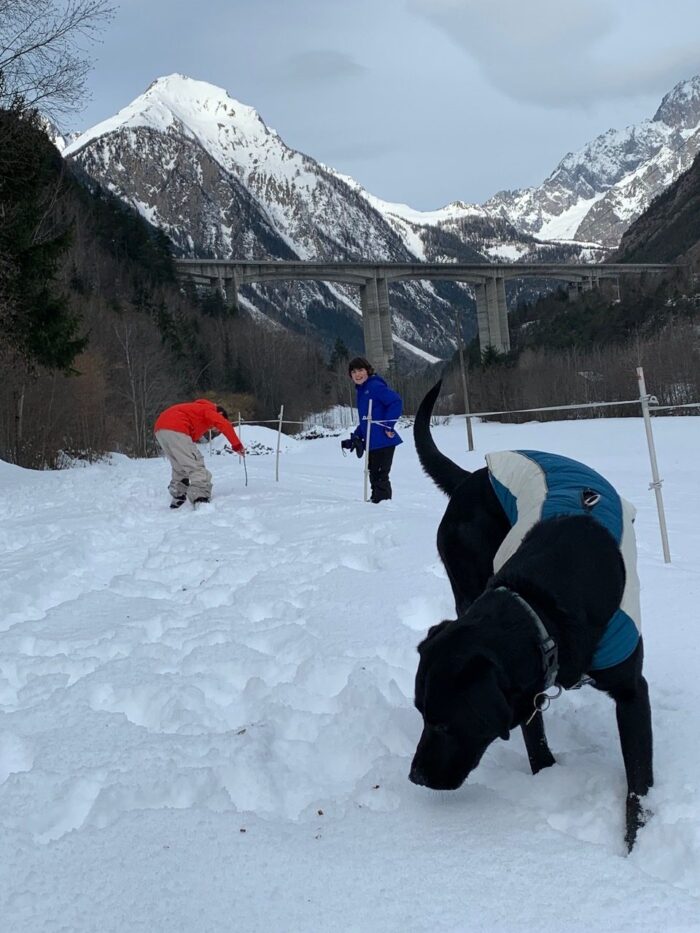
(358, 445)
(241, 451)
(354, 443)
(388, 433)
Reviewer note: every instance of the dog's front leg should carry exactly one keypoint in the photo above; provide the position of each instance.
(628, 688)
(536, 744)
(634, 725)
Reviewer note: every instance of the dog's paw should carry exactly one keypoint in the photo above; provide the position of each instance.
(543, 759)
(636, 817)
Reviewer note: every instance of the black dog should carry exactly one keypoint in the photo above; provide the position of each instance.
(468, 537)
(480, 675)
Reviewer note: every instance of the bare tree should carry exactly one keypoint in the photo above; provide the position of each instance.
(43, 50)
(145, 384)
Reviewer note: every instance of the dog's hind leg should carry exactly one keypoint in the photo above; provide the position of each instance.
(536, 744)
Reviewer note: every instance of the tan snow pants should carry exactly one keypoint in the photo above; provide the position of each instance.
(187, 463)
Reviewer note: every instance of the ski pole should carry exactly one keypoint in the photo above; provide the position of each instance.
(369, 432)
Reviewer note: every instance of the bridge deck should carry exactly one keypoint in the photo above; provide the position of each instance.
(246, 271)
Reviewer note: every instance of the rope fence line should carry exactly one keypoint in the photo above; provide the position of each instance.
(287, 421)
(648, 403)
(671, 407)
(522, 411)
(653, 407)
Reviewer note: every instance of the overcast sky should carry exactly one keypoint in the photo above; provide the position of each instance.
(421, 101)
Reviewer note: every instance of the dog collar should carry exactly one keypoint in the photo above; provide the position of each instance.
(547, 645)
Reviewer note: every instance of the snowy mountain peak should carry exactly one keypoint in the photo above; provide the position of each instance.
(198, 101)
(680, 108)
(197, 108)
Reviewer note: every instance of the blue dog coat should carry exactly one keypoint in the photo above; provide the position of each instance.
(532, 486)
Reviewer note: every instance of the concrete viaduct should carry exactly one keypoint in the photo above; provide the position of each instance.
(487, 279)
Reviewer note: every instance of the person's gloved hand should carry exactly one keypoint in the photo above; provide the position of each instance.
(358, 445)
(354, 442)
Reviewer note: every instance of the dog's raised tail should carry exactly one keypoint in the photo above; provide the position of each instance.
(443, 472)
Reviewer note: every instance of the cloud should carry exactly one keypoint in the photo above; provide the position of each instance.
(557, 54)
(321, 65)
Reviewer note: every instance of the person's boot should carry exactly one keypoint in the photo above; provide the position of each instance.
(201, 500)
(177, 501)
(380, 494)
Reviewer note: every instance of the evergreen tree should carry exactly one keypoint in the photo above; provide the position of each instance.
(339, 355)
(37, 324)
(491, 356)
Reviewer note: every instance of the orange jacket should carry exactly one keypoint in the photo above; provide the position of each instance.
(195, 419)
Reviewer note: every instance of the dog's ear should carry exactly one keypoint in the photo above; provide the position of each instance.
(483, 677)
(433, 631)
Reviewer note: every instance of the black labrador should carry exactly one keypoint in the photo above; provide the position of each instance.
(480, 676)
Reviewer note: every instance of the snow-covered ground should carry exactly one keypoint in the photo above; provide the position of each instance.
(206, 717)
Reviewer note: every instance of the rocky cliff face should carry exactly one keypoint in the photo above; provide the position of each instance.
(669, 230)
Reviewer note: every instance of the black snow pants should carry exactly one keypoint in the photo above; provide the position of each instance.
(379, 467)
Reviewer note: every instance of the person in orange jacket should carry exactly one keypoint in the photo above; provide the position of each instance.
(177, 429)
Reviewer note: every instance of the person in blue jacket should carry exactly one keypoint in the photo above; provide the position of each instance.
(386, 408)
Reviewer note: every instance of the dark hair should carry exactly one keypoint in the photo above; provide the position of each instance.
(222, 411)
(359, 362)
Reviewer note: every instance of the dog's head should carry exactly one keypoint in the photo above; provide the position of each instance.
(458, 692)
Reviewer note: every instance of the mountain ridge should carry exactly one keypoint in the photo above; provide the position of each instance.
(610, 181)
(209, 171)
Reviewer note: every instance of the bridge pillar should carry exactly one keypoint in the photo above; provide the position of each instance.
(227, 287)
(232, 286)
(492, 314)
(502, 314)
(385, 320)
(371, 325)
(483, 318)
(574, 289)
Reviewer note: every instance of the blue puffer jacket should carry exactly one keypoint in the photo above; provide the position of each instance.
(386, 408)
